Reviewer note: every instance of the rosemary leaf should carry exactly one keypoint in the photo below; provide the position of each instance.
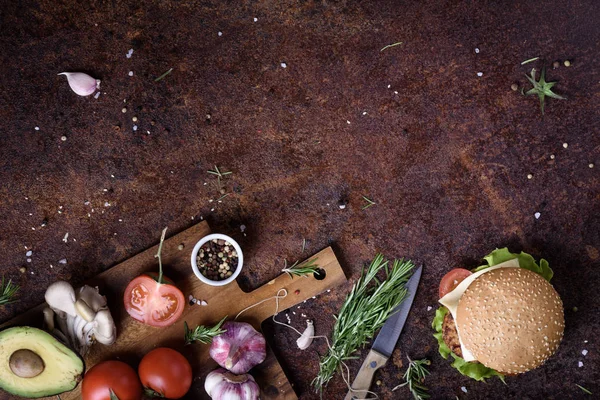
(203, 334)
(365, 310)
(584, 389)
(307, 268)
(414, 376)
(163, 75)
(8, 291)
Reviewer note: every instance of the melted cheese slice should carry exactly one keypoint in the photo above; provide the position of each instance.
(450, 300)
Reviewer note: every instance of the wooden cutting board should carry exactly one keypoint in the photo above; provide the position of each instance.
(136, 339)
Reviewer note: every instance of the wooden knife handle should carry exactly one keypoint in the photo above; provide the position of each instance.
(363, 380)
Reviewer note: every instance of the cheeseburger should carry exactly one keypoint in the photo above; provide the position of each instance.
(502, 318)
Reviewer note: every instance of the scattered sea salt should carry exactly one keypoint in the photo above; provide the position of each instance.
(37, 128)
(464, 389)
(585, 341)
(29, 253)
(135, 127)
(255, 19)
(580, 364)
(348, 122)
(537, 215)
(283, 65)
(584, 352)
(477, 50)
(129, 53)
(66, 237)
(480, 74)
(429, 308)
(29, 260)
(63, 261)
(130, 73)
(220, 33)
(342, 206)
(242, 228)
(107, 204)
(395, 92)
(97, 95)
(203, 303)
(364, 113)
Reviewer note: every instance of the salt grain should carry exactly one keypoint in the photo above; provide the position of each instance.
(565, 145)
(63, 138)
(255, 19)
(552, 156)
(29, 253)
(107, 204)
(130, 73)
(364, 113)
(29, 260)
(584, 353)
(283, 65)
(63, 261)
(429, 308)
(580, 364)
(480, 74)
(129, 53)
(477, 50)
(464, 389)
(220, 33)
(135, 127)
(537, 215)
(203, 303)
(37, 128)
(97, 95)
(64, 239)
(348, 122)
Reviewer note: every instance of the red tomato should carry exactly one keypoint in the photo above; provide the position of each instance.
(166, 372)
(451, 280)
(115, 375)
(153, 303)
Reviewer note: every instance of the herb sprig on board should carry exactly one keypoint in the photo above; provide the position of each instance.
(203, 334)
(368, 305)
(307, 268)
(414, 376)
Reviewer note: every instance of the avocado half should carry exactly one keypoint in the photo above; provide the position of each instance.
(34, 363)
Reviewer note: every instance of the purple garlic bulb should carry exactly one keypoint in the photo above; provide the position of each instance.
(223, 385)
(240, 348)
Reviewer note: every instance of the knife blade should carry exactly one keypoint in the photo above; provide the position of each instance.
(385, 342)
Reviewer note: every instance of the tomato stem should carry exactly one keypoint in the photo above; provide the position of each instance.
(160, 271)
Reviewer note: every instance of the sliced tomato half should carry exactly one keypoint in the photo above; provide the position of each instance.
(451, 280)
(153, 303)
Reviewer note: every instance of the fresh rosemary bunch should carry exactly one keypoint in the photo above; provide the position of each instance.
(367, 307)
(8, 291)
(414, 376)
(304, 269)
(203, 334)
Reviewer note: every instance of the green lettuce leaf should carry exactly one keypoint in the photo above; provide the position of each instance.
(473, 370)
(526, 261)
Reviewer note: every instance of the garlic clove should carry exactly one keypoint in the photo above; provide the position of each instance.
(307, 336)
(81, 83)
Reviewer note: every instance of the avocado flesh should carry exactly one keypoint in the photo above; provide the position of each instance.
(63, 367)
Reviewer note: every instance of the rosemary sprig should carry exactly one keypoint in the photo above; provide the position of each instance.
(8, 291)
(586, 391)
(113, 396)
(542, 88)
(368, 204)
(203, 334)
(158, 255)
(414, 376)
(306, 268)
(163, 75)
(219, 174)
(365, 310)
(390, 45)
(530, 60)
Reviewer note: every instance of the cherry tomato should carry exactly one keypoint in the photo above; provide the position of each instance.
(153, 303)
(166, 372)
(451, 280)
(111, 375)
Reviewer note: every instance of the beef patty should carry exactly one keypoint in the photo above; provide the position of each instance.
(450, 334)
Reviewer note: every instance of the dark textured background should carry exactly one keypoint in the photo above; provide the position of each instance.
(446, 158)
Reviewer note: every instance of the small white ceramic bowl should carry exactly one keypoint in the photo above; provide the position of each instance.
(206, 239)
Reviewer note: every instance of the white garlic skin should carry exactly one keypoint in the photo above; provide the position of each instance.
(81, 83)
(307, 336)
(224, 385)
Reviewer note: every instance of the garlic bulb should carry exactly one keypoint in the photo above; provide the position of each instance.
(81, 83)
(307, 336)
(223, 385)
(240, 348)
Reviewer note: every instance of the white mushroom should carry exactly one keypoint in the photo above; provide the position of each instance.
(105, 330)
(49, 319)
(82, 318)
(61, 296)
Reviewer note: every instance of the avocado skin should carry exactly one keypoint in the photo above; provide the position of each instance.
(64, 368)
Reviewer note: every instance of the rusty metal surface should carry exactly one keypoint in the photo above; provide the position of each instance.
(443, 152)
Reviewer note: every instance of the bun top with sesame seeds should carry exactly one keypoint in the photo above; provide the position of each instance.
(511, 319)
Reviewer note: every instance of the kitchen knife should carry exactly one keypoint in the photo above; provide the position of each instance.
(385, 342)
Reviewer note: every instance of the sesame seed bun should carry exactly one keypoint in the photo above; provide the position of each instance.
(511, 319)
